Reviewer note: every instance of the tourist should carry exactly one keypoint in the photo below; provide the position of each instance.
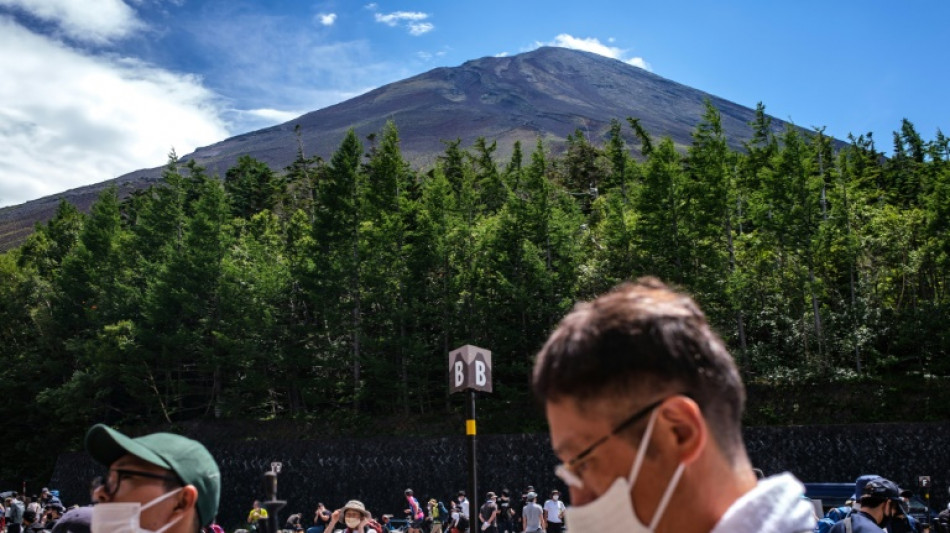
(640, 369)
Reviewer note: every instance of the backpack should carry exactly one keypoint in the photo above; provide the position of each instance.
(442, 510)
(504, 509)
(824, 525)
(486, 510)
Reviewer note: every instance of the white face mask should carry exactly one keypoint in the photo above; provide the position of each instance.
(124, 517)
(352, 522)
(613, 511)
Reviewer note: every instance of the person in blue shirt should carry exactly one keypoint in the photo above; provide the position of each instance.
(881, 507)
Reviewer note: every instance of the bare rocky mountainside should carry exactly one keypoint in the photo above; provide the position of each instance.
(548, 92)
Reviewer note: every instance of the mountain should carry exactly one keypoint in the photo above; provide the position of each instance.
(548, 92)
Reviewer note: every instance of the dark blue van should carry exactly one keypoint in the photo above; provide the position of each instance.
(834, 495)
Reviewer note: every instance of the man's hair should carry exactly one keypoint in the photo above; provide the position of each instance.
(871, 502)
(635, 342)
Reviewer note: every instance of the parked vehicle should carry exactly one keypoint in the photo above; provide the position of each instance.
(834, 495)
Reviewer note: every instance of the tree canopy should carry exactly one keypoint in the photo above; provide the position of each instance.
(336, 288)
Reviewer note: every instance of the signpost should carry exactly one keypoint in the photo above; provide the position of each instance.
(924, 483)
(470, 370)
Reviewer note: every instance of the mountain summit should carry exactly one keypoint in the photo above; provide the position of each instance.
(548, 93)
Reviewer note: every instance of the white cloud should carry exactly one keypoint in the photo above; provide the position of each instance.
(327, 19)
(418, 28)
(638, 62)
(413, 20)
(68, 119)
(396, 17)
(593, 45)
(428, 56)
(97, 22)
(274, 115)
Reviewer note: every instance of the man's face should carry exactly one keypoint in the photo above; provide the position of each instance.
(573, 430)
(127, 487)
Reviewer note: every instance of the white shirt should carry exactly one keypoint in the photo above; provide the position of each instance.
(775, 505)
(553, 509)
(464, 505)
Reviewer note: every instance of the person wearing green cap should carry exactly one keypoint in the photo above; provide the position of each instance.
(160, 482)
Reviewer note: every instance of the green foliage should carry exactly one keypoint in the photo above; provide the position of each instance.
(338, 287)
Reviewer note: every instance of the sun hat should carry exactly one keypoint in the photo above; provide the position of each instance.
(355, 505)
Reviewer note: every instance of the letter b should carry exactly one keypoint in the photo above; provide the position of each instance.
(480, 378)
(459, 373)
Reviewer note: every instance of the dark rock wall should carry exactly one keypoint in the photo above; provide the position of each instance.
(378, 470)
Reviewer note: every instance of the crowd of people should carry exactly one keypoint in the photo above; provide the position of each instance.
(36, 513)
(498, 514)
(644, 406)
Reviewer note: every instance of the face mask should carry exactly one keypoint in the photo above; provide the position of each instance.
(555, 497)
(124, 517)
(352, 522)
(613, 511)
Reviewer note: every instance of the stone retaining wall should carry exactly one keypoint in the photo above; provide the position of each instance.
(378, 470)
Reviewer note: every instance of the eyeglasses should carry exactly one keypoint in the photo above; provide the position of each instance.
(567, 471)
(114, 477)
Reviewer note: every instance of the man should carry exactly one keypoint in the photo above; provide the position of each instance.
(15, 510)
(463, 504)
(518, 508)
(30, 522)
(175, 479)
(77, 520)
(943, 519)
(47, 498)
(488, 514)
(52, 515)
(554, 512)
(505, 512)
(436, 515)
(881, 507)
(414, 514)
(532, 515)
(464, 512)
(904, 523)
(644, 406)
(254, 517)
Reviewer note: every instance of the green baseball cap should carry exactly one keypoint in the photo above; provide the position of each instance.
(187, 458)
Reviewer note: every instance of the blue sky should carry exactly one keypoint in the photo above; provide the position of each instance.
(92, 89)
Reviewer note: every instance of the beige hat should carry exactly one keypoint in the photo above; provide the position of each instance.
(355, 505)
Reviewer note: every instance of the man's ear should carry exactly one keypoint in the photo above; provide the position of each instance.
(188, 498)
(688, 431)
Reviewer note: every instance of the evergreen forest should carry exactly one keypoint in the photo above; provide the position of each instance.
(330, 292)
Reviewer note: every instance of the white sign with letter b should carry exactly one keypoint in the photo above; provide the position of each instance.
(470, 369)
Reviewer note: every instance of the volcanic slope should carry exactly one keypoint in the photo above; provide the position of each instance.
(547, 93)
